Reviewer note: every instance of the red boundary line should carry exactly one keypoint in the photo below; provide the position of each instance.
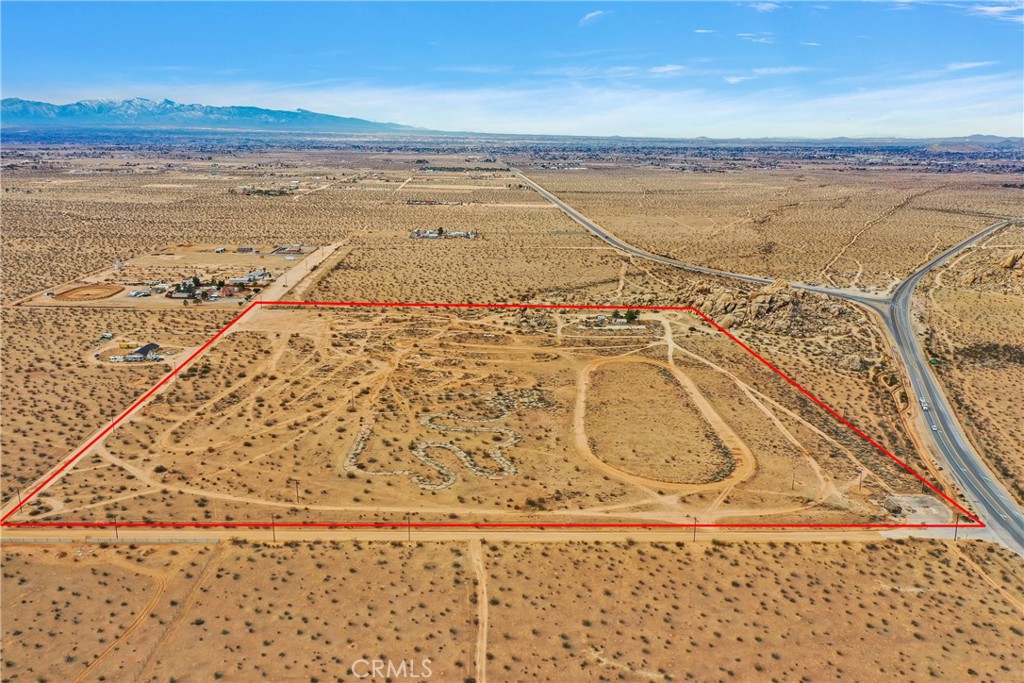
(977, 523)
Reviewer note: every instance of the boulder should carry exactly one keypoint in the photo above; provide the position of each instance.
(1011, 261)
(852, 362)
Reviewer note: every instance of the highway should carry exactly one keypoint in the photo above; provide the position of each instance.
(980, 486)
(606, 236)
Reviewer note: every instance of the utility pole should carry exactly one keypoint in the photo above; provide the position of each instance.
(296, 491)
(408, 525)
(792, 485)
(273, 528)
(116, 536)
(861, 484)
(695, 528)
(956, 526)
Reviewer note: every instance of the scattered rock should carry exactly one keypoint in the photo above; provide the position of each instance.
(1012, 260)
(852, 362)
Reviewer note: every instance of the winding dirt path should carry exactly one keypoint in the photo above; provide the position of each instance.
(160, 580)
(183, 610)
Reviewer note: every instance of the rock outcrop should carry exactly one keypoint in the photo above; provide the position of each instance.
(774, 308)
(1011, 261)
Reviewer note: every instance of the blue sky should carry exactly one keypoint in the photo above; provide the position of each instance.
(718, 69)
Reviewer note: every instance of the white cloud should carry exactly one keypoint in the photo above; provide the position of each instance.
(810, 44)
(1003, 11)
(764, 6)
(591, 17)
(619, 72)
(764, 37)
(949, 69)
(704, 30)
(781, 70)
(965, 66)
(954, 104)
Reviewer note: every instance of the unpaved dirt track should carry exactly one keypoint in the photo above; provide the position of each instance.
(160, 579)
(979, 484)
(280, 288)
(476, 553)
(212, 562)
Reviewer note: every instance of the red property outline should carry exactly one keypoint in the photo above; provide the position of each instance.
(976, 523)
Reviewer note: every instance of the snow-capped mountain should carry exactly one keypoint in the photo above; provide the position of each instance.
(139, 111)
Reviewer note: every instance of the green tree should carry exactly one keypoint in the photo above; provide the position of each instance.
(632, 316)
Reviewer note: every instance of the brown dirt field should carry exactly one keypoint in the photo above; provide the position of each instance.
(241, 612)
(639, 419)
(485, 415)
(89, 293)
(752, 612)
(715, 611)
(56, 392)
(1002, 566)
(282, 400)
(814, 224)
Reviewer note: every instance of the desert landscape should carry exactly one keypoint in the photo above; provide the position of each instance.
(813, 222)
(486, 415)
(508, 611)
(974, 312)
(530, 412)
(512, 342)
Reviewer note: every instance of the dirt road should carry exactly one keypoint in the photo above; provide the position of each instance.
(476, 553)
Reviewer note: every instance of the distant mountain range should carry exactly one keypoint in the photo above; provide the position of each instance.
(141, 112)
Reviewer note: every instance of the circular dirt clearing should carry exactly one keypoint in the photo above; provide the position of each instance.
(641, 421)
(89, 293)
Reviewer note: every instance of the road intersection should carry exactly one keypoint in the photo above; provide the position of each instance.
(979, 485)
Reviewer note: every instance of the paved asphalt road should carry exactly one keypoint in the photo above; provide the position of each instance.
(629, 249)
(981, 487)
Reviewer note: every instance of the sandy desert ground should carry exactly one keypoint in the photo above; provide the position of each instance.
(486, 415)
(240, 612)
(817, 224)
(491, 415)
(608, 611)
(57, 392)
(974, 315)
